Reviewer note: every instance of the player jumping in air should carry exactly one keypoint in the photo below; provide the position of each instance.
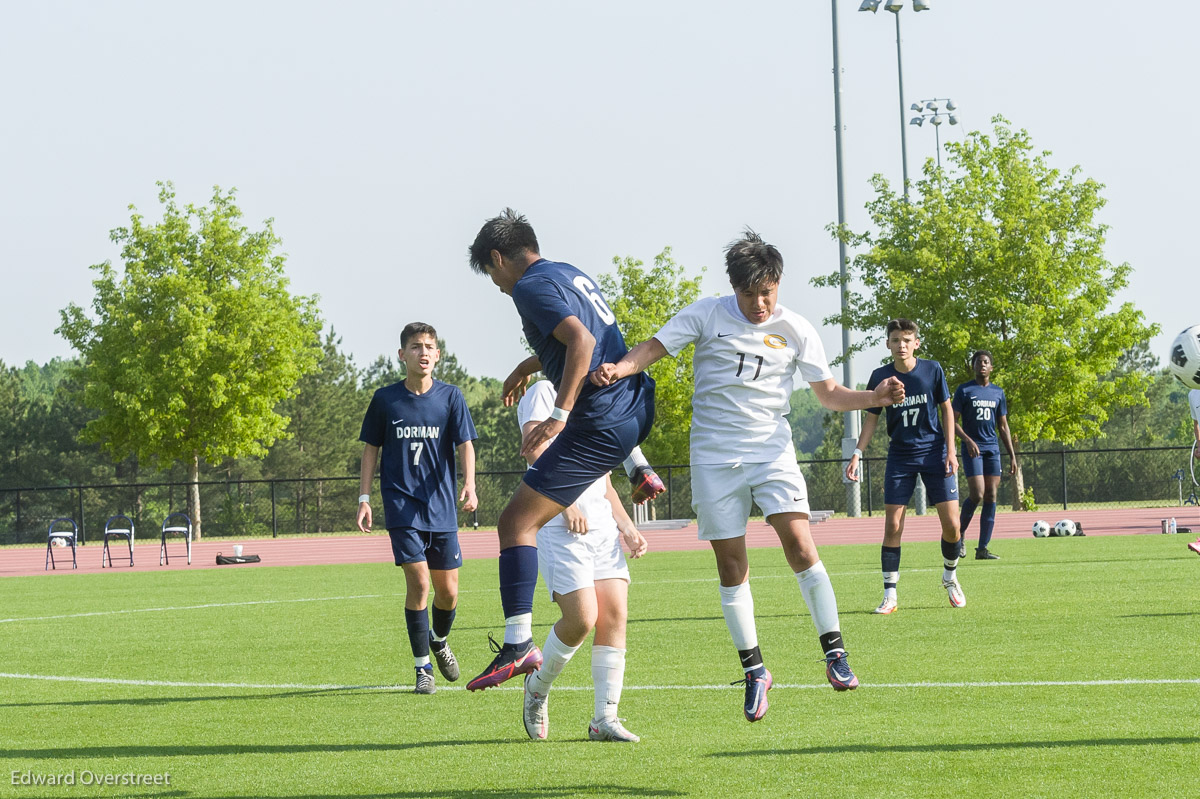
(749, 352)
(418, 424)
(918, 448)
(981, 420)
(571, 330)
(580, 557)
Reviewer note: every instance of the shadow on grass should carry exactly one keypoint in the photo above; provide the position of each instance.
(1156, 615)
(961, 747)
(150, 701)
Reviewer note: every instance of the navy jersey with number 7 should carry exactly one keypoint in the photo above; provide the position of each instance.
(913, 425)
(548, 293)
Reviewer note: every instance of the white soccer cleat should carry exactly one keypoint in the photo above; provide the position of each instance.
(610, 730)
(536, 712)
(888, 605)
(957, 598)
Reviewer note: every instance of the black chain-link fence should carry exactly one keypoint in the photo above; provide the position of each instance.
(1150, 477)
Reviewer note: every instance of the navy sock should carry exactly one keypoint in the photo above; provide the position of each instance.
(518, 579)
(889, 557)
(968, 512)
(987, 520)
(949, 550)
(417, 622)
(443, 620)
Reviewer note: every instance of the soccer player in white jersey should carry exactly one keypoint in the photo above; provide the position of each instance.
(749, 352)
(581, 562)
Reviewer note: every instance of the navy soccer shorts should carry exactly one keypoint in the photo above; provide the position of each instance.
(900, 479)
(987, 464)
(580, 457)
(441, 550)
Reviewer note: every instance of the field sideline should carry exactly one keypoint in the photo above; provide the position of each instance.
(1071, 672)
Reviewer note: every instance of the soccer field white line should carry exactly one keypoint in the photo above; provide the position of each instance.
(286, 686)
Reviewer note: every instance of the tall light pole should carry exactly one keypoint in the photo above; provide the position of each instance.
(894, 6)
(930, 111)
(851, 429)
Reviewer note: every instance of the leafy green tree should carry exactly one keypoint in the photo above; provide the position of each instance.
(1001, 251)
(643, 300)
(195, 341)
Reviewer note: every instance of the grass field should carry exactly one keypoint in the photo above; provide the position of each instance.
(1073, 671)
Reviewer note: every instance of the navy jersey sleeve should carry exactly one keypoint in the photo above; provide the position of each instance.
(1002, 410)
(374, 426)
(875, 380)
(941, 389)
(542, 303)
(959, 397)
(461, 425)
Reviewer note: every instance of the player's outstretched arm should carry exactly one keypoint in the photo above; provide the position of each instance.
(366, 476)
(466, 458)
(636, 360)
(968, 443)
(864, 438)
(580, 344)
(836, 397)
(518, 379)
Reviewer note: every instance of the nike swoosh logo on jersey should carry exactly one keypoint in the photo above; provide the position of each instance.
(398, 421)
(723, 335)
(797, 499)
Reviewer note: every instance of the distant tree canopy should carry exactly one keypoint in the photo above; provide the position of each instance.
(1000, 251)
(194, 342)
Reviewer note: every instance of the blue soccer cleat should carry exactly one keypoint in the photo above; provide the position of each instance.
(757, 682)
(837, 669)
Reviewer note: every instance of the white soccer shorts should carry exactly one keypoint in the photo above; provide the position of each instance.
(569, 562)
(722, 494)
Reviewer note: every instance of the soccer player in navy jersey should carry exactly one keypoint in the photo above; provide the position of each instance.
(418, 424)
(572, 331)
(981, 420)
(918, 447)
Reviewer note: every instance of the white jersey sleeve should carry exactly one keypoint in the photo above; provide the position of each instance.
(687, 326)
(537, 404)
(1194, 402)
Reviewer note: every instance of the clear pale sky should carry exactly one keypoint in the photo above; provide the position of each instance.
(380, 135)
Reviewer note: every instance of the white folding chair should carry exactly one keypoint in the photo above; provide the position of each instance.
(118, 527)
(176, 523)
(68, 537)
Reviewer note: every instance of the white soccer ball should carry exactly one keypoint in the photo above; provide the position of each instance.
(1064, 528)
(1041, 529)
(58, 542)
(1185, 357)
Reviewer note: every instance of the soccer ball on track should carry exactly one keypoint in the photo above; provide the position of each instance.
(1041, 529)
(1185, 357)
(1064, 528)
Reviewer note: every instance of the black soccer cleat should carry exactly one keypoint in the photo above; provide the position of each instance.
(982, 553)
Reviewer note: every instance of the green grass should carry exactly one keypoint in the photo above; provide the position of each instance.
(1077, 610)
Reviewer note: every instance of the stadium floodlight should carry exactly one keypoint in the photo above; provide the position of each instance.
(894, 6)
(931, 111)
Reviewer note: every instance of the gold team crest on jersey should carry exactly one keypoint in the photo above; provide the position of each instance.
(775, 341)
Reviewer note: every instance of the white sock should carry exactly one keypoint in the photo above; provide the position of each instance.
(738, 606)
(949, 573)
(555, 655)
(818, 595)
(421, 661)
(635, 459)
(518, 629)
(608, 675)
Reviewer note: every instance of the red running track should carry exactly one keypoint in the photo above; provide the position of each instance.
(26, 561)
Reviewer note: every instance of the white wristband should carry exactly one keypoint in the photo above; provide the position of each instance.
(559, 415)
(858, 452)
(364, 498)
